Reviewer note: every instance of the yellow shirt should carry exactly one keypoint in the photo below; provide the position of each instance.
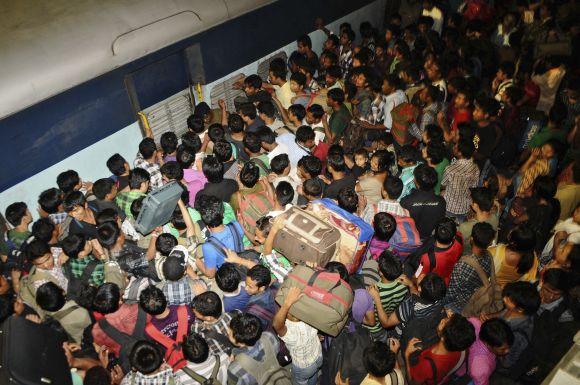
(505, 273)
(284, 94)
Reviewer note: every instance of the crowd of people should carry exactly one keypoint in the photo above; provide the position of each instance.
(454, 138)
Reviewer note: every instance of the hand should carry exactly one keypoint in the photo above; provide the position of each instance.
(441, 118)
(232, 256)
(116, 375)
(374, 292)
(324, 179)
(279, 222)
(4, 285)
(104, 356)
(394, 345)
(88, 186)
(33, 318)
(536, 152)
(405, 281)
(339, 381)
(293, 296)
(222, 104)
(3, 258)
(68, 354)
(485, 316)
(62, 259)
(190, 272)
(272, 177)
(413, 346)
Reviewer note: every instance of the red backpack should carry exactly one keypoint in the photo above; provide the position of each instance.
(253, 206)
(173, 354)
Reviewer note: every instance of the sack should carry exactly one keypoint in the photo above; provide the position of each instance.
(306, 238)
(253, 206)
(345, 355)
(76, 285)
(125, 341)
(487, 299)
(403, 116)
(158, 207)
(173, 352)
(133, 260)
(355, 234)
(406, 238)
(212, 380)
(353, 137)
(424, 328)
(31, 354)
(267, 372)
(327, 300)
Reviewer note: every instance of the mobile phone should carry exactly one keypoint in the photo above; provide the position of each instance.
(113, 361)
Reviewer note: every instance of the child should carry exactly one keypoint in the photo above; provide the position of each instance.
(313, 118)
(361, 162)
(229, 280)
(385, 226)
(407, 160)
(18, 215)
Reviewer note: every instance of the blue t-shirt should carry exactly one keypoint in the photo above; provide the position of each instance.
(263, 306)
(236, 302)
(213, 258)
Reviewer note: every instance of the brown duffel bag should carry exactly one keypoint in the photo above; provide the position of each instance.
(307, 238)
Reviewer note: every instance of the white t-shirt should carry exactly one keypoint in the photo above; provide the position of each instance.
(437, 16)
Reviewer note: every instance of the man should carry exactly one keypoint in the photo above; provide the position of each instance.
(148, 160)
(267, 112)
(430, 10)
(277, 75)
(139, 180)
(250, 117)
(429, 98)
(340, 117)
(435, 75)
(482, 206)
(304, 45)
(503, 79)
(487, 132)
(458, 178)
(339, 178)
(212, 323)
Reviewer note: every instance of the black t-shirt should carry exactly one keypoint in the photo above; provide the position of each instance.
(223, 190)
(239, 144)
(335, 186)
(484, 141)
(426, 209)
(122, 182)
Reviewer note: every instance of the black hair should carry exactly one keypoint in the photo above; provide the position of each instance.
(195, 123)
(305, 40)
(73, 245)
(284, 193)
(136, 207)
(483, 197)
(222, 150)
(106, 215)
(385, 159)
(195, 348)
(408, 154)
(137, 176)
(15, 212)
(36, 249)
(336, 162)
(246, 329)
(378, 359)
(67, 181)
(334, 71)
(108, 233)
(235, 123)
(425, 177)
(250, 174)
(266, 135)
(496, 332)
(253, 81)
(522, 239)
(311, 165)
(216, 132)
(279, 163)
(312, 187)
(172, 170)
(213, 169)
(190, 140)
(146, 357)
(557, 278)
(228, 278)
(185, 156)
(298, 110)
(545, 187)
(524, 296)
(74, 199)
(164, 243)
(278, 68)
(436, 152)
(390, 265)
(152, 300)
(267, 108)
(384, 225)
(116, 164)
(201, 109)
(304, 134)
(147, 148)
(393, 186)
(50, 200)
(168, 142)
(508, 68)
(50, 297)
(348, 199)
(434, 133)
(107, 298)
(249, 110)
(208, 304)
(349, 34)
(102, 187)
(174, 268)
(97, 375)
(261, 275)
(466, 148)
(252, 142)
(316, 110)
(432, 287)
(445, 231)
(299, 78)
(339, 268)
(264, 224)
(336, 94)
(458, 333)
(212, 211)
(42, 229)
(482, 235)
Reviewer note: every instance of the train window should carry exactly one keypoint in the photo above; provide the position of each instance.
(225, 90)
(264, 66)
(169, 115)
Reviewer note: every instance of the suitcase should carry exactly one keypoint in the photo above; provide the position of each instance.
(158, 207)
(327, 300)
(355, 234)
(31, 354)
(306, 238)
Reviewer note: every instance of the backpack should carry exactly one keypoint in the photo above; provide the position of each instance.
(487, 298)
(221, 339)
(75, 285)
(403, 116)
(253, 206)
(406, 238)
(173, 353)
(238, 248)
(424, 328)
(212, 380)
(125, 341)
(268, 372)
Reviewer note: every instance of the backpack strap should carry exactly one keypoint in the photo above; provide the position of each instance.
(216, 368)
(182, 324)
(161, 338)
(432, 259)
(140, 323)
(194, 375)
(88, 271)
(260, 163)
(433, 369)
(121, 338)
(480, 272)
(61, 314)
(394, 378)
(238, 242)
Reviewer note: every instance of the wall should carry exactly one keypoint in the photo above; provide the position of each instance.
(90, 162)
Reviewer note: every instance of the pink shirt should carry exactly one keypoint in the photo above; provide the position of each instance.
(481, 361)
(195, 181)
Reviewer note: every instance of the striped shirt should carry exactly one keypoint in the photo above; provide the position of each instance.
(155, 177)
(413, 307)
(219, 327)
(458, 177)
(391, 296)
(204, 369)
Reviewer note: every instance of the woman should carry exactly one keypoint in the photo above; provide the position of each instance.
(516, 260)
(371, 185)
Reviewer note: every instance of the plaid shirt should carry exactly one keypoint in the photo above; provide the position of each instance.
(178, 292)
(464, 282)
(57, 218)
(220, 327)
(78, 265)
(124, 200)
(238, 375)
(458, 177)
(155, 177)
(384, 206)
(429, 116)
(164, 377)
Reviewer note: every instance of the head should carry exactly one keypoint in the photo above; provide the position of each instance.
(68, 181)
(464, 149)
(425, 177)
(171, 171)
(50, 297)
(304, 44)
(521, 297)
(117, 165)
(305, 136)
(146, 357)
(252, 144)
(553, 285)
(497, 335)
(408, 156)
(109, 234)
(245, 330)
(223, 151)
(284, 193)
(258, 280)
(212, 211)
(505, 70)
(213, 169)
(379, 360)
(384, 225)
(107, 298)
(381, 160)
(445, 231)
(314, 114)
(297, 82)
(481, 199)
(296, 113)
(39, 254)
(335, 97)
(76, 246)
(153, 301)
(252, 84)
(277, 71)
(456, 332)
(17, 214)
(164, 243)
(338, 268)
(522, 240)
(75, 205)
(266, 111)
(139, 179)
(50, 201)
(312, 189)
(248, 112)
(309, 167)
(250, 174)
(392, 187)
(105, 189)
(390, 267)
(432, 287)
(333, 74)
(481, 237)
(462, 99)
(228, 278)
(207, 306)
(148, 149)
(45, 230)
(195, 348)
(236, 123)
(192, 142)
(280, 165)
(168, 142)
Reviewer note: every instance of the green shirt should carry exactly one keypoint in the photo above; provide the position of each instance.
(266, 163)
(339, 121)
(17, 237)
(125, 199)
(440, 168)
(391, 296)
(78, 266)
(546, 134)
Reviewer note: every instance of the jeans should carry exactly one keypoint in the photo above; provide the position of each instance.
(459, 218)
(307, 375)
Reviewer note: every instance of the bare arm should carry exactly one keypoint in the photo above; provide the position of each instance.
(224, 112)
(279, 321)
(276, 226)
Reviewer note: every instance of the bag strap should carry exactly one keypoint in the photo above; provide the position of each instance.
(260, 163)
(161, 338)
(394, 378)
(194, 375)
(432, 259)
(182, 324)
(88, 271)
(216, 368)
(479, 270)
(218, 337)
(238, 242)
(59, 315)
(115, 334)
(140, 323)
(433, 369)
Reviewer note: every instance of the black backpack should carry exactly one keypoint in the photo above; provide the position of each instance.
(125, 340)
(76, 285)
(423, 328)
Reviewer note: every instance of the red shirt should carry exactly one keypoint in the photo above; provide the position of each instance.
(422, 372)
(460, 116)
(445, 258)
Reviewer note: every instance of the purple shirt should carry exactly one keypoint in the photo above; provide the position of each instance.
(481, 361)
(362, 303)
(168, 325)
